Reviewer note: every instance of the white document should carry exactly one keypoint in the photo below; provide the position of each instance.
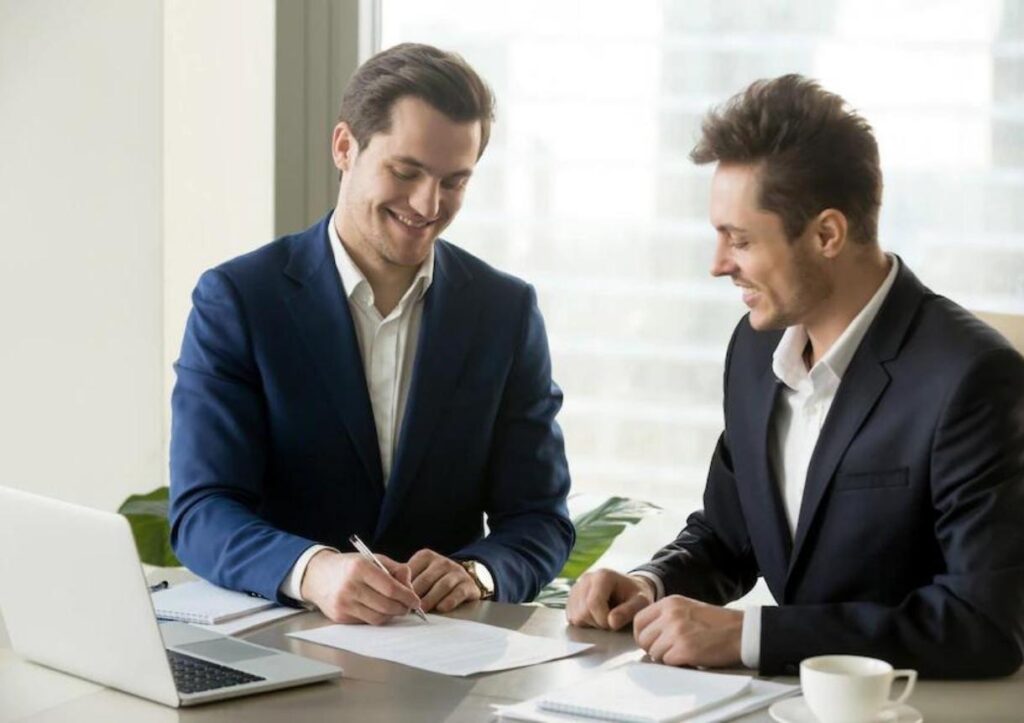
(443, 645)
(760, 695)
(248, 622)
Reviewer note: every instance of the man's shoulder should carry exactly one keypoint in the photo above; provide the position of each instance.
(485, 278)
(951, 336)
(269, 258)
(295, 254)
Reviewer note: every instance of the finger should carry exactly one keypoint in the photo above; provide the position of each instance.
(365, 614)
(645, 616)
(659, 647)
(461, 593)
(382, 603)
(423, 582)
(352, 612)
(644, 634)
(576, 608)
(384, 585)
(397, 570)
(421, 561)
(625, 612)
(677, 654)
(597, 605)
(440, 589)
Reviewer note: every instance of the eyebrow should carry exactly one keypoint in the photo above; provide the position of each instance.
(729, 228)
(410, 161)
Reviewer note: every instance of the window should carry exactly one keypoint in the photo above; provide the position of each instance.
(586, 190)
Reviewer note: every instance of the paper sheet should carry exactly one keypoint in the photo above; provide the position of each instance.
(443, 645)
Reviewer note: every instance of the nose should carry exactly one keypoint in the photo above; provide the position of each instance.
(426, 199)
(723, 264)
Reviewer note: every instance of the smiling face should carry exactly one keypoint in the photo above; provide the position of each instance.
(784, 281)
(400, 191)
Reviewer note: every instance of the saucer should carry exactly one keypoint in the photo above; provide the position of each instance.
(795, 710)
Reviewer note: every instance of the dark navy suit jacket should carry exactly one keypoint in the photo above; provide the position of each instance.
(274, 448)
(910, 539)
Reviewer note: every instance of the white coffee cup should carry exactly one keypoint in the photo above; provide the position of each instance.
(850, 688)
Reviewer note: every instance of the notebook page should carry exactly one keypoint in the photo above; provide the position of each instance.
(646, 693)
(200, 602)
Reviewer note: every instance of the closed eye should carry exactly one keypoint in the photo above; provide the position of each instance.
(455, 184)
(403, 176)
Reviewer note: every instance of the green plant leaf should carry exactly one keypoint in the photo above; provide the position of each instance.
(596, 529)
(555, 594)
(147, 516)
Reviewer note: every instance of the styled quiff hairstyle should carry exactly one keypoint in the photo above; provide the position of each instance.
(442, 79)
(812, 152)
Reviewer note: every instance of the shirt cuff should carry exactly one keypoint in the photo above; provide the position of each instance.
(292, 585)
(659, 586)
(750, 639)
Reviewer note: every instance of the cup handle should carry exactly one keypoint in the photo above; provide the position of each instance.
(911, 676)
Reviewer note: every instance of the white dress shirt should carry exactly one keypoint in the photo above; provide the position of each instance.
(388, 349)
(799, 414)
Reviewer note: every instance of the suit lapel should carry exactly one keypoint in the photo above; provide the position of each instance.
(449, 321)
(775, 529)
(863, 384)
(321, 313)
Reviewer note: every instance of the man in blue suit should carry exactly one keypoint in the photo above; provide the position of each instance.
(365, 377)
(872, 463)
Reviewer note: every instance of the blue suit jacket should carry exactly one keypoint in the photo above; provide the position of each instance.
(274, 448)
(910, 540)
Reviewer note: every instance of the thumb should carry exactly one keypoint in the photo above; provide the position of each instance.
(624, 613)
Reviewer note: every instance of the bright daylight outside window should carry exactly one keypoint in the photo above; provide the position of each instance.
(586, 190)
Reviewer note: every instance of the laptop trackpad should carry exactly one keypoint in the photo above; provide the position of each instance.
(225, 650)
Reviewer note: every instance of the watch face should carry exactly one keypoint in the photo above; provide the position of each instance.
(470, 567)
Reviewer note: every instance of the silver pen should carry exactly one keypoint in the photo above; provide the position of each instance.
(365, 552)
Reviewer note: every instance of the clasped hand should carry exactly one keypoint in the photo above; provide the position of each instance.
(675, 630)
(350, 589)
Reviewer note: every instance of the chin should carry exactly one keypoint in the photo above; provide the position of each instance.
(402, 255)
(765, 322)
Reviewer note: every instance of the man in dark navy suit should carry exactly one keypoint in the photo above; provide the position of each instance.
(364, 377)
(872, 463)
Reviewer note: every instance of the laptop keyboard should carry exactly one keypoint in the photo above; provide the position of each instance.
(194, 675)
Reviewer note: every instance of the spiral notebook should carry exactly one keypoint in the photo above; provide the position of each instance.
(646, 693)
(203, 603)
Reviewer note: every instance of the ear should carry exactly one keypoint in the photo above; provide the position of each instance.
(344, 147)
(830, 233)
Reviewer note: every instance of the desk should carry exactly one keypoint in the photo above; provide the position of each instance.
(376, 690)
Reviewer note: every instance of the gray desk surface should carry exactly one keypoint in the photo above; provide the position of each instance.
(375, 690)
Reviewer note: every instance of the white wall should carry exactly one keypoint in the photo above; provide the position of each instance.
(218, 147)
(80, 247)
(138, 150)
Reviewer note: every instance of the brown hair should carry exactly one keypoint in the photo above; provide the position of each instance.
(812, 150)
(442, 79)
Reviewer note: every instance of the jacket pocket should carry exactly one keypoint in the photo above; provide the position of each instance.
(873, 480)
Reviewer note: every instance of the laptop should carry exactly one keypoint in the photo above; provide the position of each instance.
(74, 598)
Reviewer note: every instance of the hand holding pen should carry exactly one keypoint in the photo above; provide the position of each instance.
(353, 588)
(365, 552)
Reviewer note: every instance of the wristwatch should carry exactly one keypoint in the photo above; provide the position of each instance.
(481, 576)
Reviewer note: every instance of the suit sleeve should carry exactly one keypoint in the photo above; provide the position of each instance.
(218, 452)
(527, 474)
(969, 621)
(711, 559)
